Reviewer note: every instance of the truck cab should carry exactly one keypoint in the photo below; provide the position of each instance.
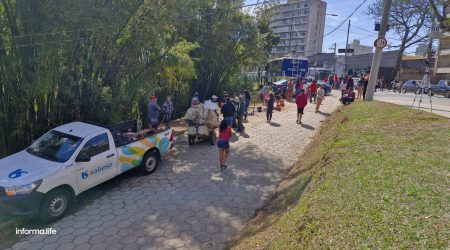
(46, 177)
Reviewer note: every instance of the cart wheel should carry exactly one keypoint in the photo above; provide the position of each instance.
(212, 137)
(191, 139)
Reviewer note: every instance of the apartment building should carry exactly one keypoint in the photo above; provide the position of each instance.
(300, 25)
(360, 49)
(421, 49)
(442, 66)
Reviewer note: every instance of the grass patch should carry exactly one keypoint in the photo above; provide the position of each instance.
(375, 176)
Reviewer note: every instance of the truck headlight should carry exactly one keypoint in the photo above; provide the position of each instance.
(23, 189)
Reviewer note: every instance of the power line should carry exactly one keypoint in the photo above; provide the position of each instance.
(363, 34)
(346, 19)
(374, 32)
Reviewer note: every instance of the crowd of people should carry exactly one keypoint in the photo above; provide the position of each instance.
(234, 108)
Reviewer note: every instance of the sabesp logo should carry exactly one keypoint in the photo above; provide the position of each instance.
(87, 173)
(17, 173)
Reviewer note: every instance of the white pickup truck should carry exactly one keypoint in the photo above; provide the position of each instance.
(46, 178)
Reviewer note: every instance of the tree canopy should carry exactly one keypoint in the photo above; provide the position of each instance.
(99, 61)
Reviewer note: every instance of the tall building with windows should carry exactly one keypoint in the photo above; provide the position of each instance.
(442, 66)
(300, 25)
(360, 49)
(421, 49)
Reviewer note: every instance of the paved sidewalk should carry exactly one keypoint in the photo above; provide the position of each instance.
(188, 203)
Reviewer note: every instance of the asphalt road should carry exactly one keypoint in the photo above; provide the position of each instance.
(441, 105)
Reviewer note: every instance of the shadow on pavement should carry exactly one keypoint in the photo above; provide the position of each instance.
(308, 126)
(274, 124)
(324, 114)
(188, 198)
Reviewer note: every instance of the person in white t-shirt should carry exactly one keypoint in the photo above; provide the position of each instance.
(320, 97)
(343, 87)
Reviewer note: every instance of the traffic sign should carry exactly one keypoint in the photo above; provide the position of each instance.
(348, 50)
(380, 43)
(377, 27)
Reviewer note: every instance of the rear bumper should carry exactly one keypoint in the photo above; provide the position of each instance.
(21, 205)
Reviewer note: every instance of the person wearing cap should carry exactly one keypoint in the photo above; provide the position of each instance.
(320, 97)
(153, 113)
(168, 109)
(313, 89)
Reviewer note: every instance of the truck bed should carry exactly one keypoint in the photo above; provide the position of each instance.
(125, 133)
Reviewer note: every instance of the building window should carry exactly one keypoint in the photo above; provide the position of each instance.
(305, 12)
(306, 5)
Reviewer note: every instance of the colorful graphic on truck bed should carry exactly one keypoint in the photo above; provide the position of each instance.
(131, 155)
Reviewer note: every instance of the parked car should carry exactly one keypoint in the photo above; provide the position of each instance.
(441, 88)
(46, 178)
(326, 86)
(413, 86)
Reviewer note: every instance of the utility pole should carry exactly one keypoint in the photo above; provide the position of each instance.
(346, 48)
(378, 52)
(334, 58)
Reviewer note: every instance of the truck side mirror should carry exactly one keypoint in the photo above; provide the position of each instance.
(83, 157)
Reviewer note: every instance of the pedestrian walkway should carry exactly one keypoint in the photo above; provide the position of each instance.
(188, 203)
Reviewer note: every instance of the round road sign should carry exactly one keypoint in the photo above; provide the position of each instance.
(380, 43)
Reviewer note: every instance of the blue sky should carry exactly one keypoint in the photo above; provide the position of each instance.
(362, 26)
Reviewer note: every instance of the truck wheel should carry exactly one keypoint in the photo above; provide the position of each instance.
(447, 94)
(149, 163)
(191, 139)
(55, 205)
(212, 137)
(403, 91)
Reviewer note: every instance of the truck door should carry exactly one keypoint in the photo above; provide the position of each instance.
(96, 162)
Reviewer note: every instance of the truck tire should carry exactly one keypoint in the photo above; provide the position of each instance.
(447, 94)
(403, 90)
(55, 204)
(149, 163)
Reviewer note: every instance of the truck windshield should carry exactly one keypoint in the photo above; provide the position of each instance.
(55, 146)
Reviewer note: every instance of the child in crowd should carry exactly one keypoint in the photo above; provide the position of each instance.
(223, 143)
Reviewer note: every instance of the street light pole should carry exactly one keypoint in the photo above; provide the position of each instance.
(378, 52)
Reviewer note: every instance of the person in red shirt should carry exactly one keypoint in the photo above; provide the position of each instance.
(336, 81)
(301, 101)
(223, 143)
(313, 88)
(348, 98)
